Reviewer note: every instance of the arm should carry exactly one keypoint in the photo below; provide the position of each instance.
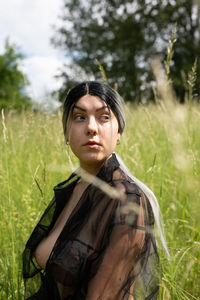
(124, 247)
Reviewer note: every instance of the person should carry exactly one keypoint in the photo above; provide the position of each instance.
(96, 238)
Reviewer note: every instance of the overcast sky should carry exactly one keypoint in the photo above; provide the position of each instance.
(28, 23)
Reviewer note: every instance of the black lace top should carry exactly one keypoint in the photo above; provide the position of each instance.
(106, 249)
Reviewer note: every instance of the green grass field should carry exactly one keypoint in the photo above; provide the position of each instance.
(161, 146)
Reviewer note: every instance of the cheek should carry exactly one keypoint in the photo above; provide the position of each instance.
(115, 130)
(74, 132)
(111, 134)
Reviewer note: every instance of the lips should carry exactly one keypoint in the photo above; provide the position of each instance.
(92, 143)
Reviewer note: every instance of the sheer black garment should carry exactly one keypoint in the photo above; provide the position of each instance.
(106, 249)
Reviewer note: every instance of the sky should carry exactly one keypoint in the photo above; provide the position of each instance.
(28, 24)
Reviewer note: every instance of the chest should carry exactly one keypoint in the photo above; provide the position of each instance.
(45, 247)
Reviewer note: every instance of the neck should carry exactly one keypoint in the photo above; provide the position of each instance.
(92, 169)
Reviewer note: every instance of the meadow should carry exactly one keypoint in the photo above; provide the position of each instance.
(161, 147)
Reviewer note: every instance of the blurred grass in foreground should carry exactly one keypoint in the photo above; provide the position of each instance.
(161, 146)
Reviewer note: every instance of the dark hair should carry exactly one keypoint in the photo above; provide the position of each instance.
(101, 90)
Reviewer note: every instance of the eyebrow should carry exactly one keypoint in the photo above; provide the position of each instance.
(98, 109)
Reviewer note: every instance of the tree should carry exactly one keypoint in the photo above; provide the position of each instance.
(124, 36)
(12, 80)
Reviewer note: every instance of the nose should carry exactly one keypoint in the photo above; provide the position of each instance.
(92, 126)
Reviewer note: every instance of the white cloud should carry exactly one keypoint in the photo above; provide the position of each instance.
(29, 24)
(41, 71)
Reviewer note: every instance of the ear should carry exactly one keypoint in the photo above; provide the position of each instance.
(67, 138)
(118, 137)
(68, 131)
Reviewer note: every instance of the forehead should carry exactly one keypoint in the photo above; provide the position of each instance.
(90, 102)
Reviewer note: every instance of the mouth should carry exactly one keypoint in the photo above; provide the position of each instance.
(92, 144)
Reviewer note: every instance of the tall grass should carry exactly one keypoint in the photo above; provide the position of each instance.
(161, 146)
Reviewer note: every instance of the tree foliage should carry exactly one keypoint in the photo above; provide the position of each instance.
(124, 36)
(12, 80)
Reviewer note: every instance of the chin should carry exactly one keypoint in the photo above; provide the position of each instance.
(93, 159)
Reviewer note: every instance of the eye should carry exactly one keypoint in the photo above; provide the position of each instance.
(79, 117)
(104, 117)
